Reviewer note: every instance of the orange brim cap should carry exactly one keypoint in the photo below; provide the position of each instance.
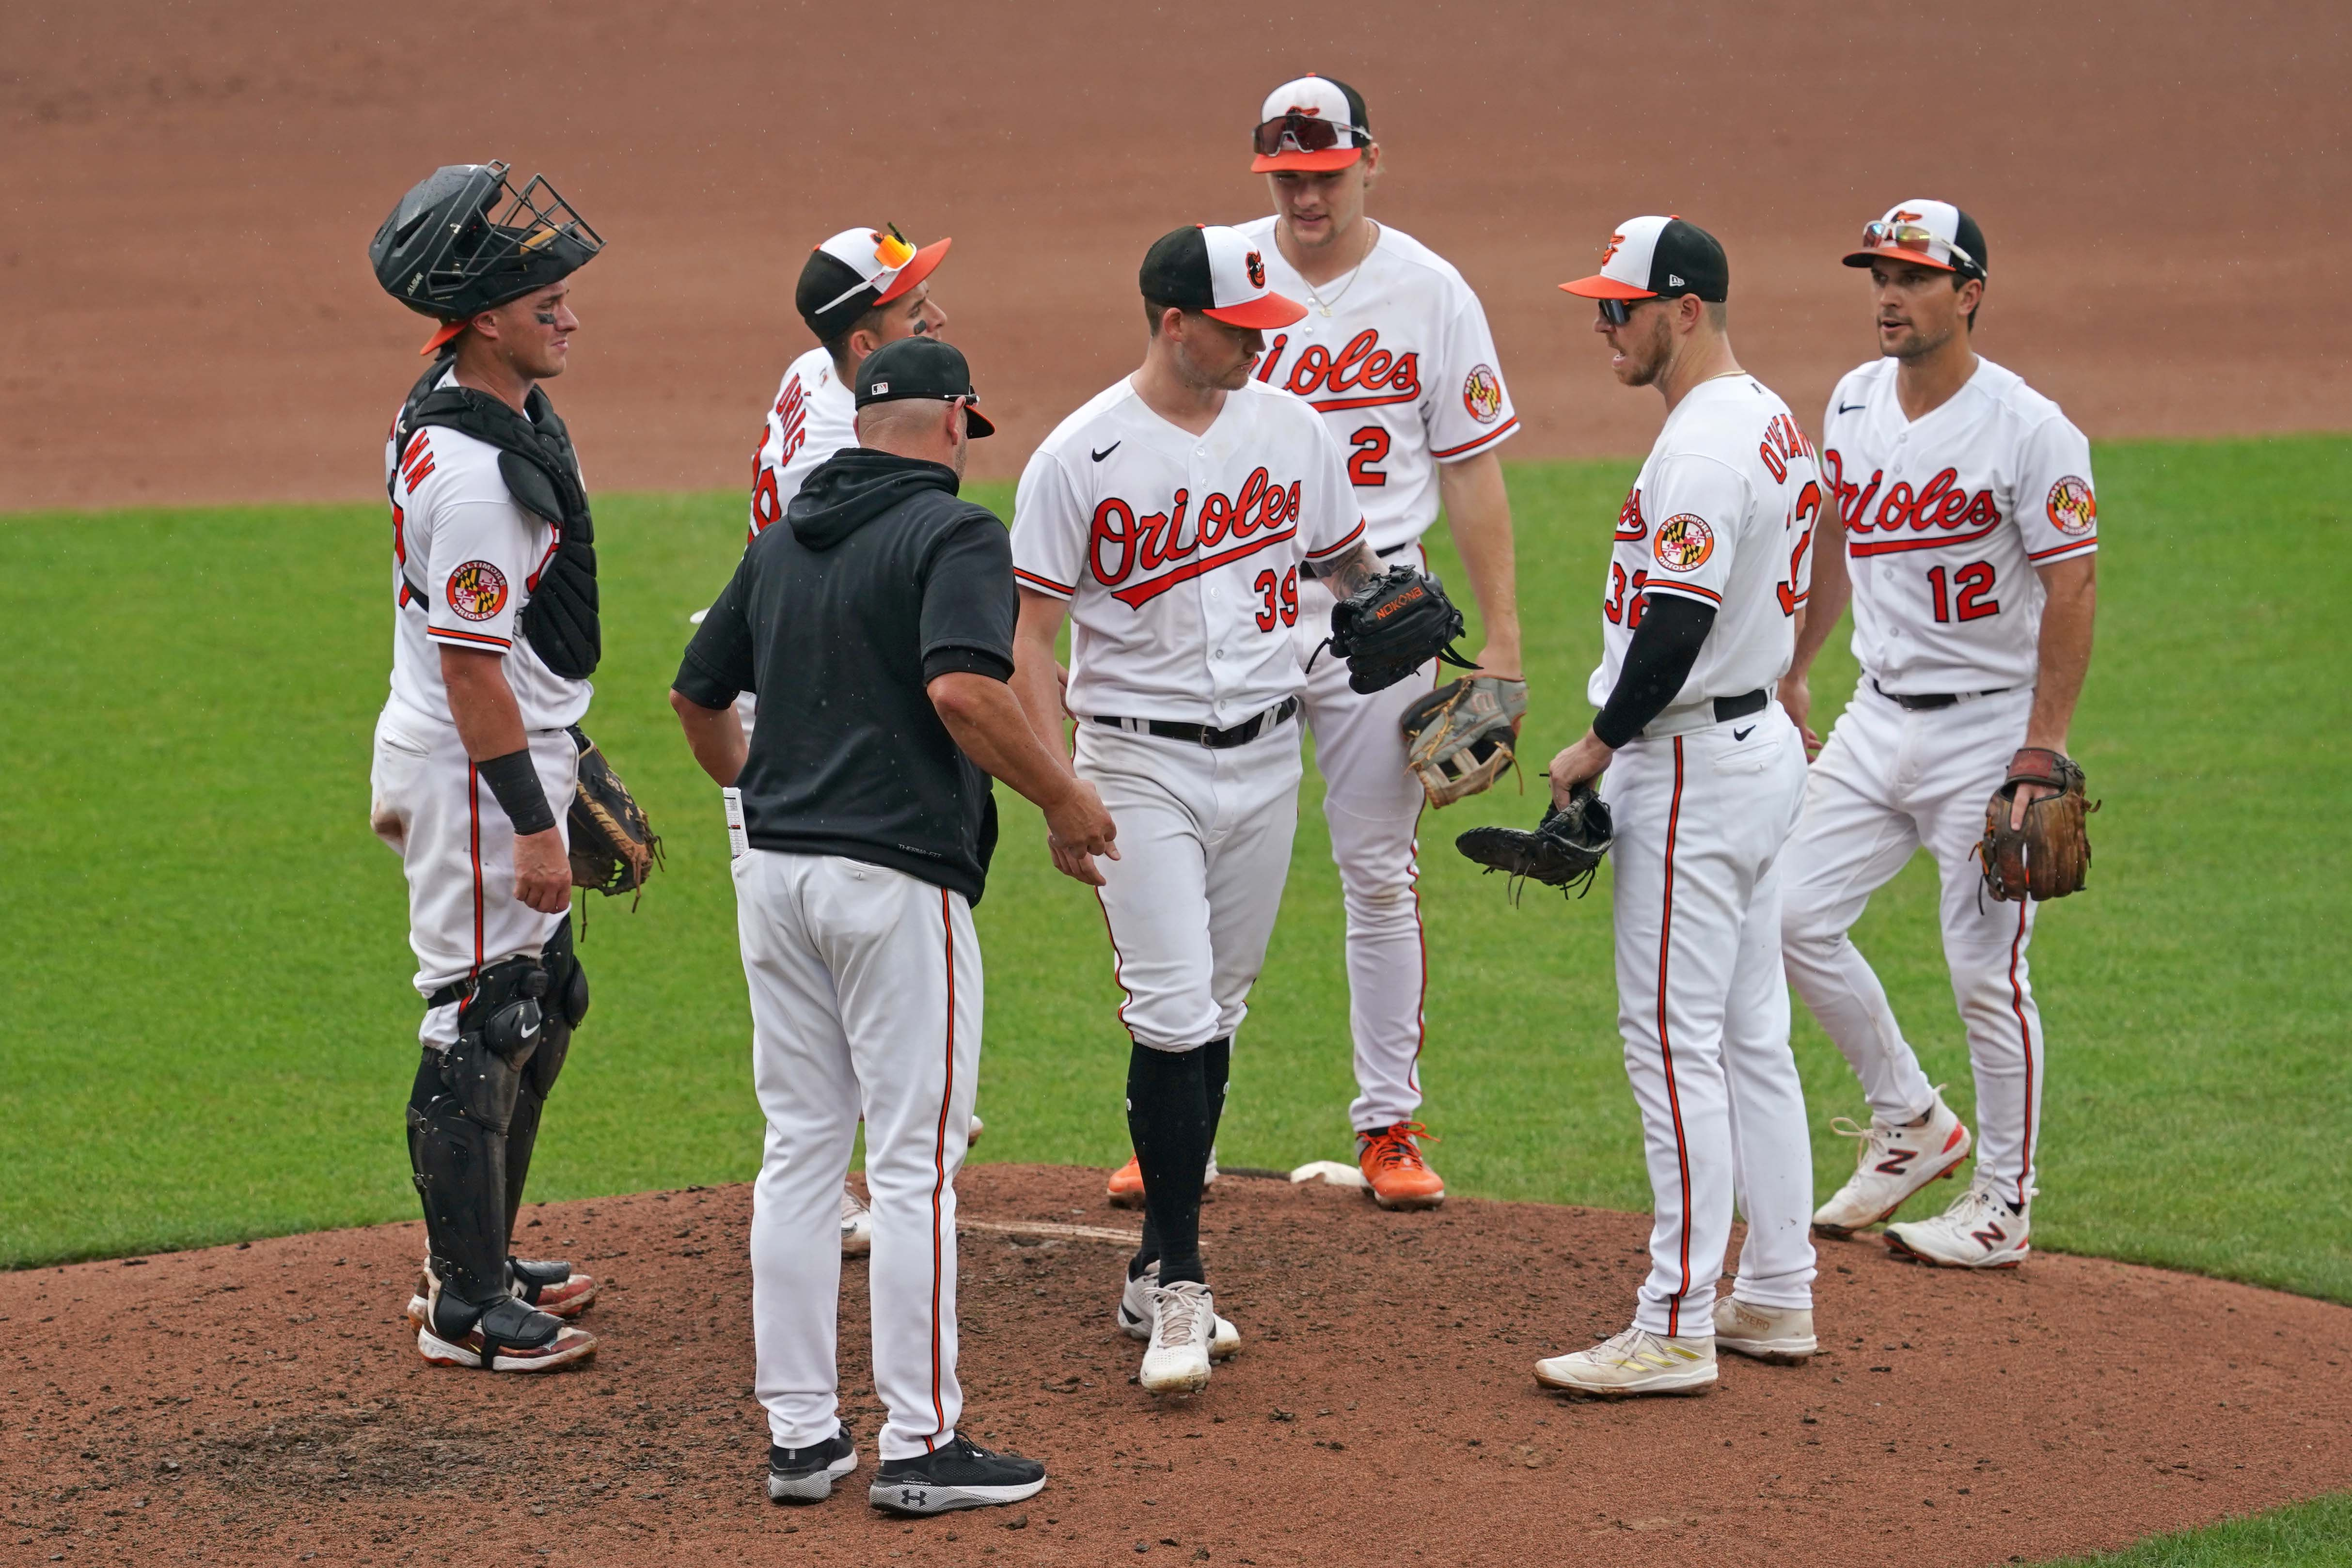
(432, 344)
(1268, 309)
(1321, 162)
(1599, 288)
(1865, 257)
(916, 270)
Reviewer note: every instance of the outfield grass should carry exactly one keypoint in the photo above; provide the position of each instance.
(212, 1028)
(2313, 1535)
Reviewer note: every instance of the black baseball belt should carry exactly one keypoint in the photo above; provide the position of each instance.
(1241, 734)
(1927, 701)
(1728, 708)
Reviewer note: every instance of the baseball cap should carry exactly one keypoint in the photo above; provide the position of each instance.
(1928, 234)
(1313, 123)
(1653, 257)
(1218, 272)
(920, 367)
(858, 269)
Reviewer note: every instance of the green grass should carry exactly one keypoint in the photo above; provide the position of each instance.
(210, 1029)
(2312, 1535)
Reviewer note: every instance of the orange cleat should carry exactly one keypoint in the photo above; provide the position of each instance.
(1394, 1173)
(1125, 1189)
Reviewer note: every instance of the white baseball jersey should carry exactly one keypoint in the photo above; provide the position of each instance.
(459, 538)
(1403, 371)
(1179, 554)
(813, 417)
(1722, 512)
(1946, 517)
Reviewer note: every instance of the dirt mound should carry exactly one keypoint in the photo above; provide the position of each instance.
(190, 191)
(265, 1403)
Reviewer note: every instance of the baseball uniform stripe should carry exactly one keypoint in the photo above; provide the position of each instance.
(474, 851)
(1859, 548)
(1143, 593)
(1666, 1047)
(1348, 543)
(1117, 960)
(940, 1172)
(1421, 950)
(1467, 447)
(2064, 552)
(1343, 405)
(1043, 584)
(2025, 1043)
(476, 637)
(1691, 590)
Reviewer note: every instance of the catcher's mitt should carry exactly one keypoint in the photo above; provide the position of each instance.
(1392, 626)
(2050, 856)
(613, 848)
(1459, 736)
(1564, 852)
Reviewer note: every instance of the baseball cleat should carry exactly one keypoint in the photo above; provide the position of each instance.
(1135, 1315)
(959, 1473)
(1394, 1173)
(1125, 1189)
(1183, 1320)
(806, 1475)
(1895, 1162)
(1981, 1230)
(551, 1287)
(1783, 1334)
(856, 1225)
(506, 1336)
(1635, 1362)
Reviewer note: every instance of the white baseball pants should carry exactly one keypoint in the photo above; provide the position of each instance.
(1700, 819)
(1886, 783)
(865, 1000)
(1204, 847)
(456, 845)
(1373, 805)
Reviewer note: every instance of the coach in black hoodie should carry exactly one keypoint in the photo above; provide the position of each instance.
(876, 629)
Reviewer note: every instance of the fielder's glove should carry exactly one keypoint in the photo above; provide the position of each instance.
(1392, 626)
(613, 848)
(2050, 856)
(1564, 852)
(1458, 738)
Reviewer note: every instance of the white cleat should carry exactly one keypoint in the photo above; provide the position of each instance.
(1184, 1318)
(1978, 1231)
(856, 1225)
(1783, 1334)
(1895, 1162)
(1635, 1362)
(1135, 1316)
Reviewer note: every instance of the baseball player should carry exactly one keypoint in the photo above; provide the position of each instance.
(877, 621)
(1394, 353)
(1966, 530)
(858, 291)
(495, 634)
(1704, 773)
(1173, 517)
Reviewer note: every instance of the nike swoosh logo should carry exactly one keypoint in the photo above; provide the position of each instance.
(1743, 734)
(1106, 452)
(1850, 407)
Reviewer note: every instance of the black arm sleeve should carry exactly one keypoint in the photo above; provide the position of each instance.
(717, 662)
(970, 601)
(1657, 662)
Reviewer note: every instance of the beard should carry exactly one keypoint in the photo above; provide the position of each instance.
(1920, 344)
(1645, 361)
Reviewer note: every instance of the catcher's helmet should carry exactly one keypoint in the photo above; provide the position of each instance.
(463, 240)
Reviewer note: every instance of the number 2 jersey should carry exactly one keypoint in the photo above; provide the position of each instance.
(465, 559)
(1722, 512)
(1179, 554)
(1946, 518)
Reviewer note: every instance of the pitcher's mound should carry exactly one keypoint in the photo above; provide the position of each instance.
(259, 1404)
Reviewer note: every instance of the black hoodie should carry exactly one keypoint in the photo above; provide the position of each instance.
(879, 582)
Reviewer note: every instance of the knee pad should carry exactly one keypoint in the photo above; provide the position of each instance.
(499, 1026)
(567, 1005)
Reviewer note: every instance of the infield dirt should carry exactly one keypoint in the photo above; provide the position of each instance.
(189, 192)
(262, 1404)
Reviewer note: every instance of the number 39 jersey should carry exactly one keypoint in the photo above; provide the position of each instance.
(1179, 554)
(1403, 371)
(813, 417)
(1946, 518)
(1722, 512)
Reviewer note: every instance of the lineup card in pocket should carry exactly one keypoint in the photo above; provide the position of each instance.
(738, 838)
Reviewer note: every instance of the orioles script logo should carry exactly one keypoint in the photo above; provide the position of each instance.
(1121, 545)
(1362, 375)
(1942, 512)
(1631, 523)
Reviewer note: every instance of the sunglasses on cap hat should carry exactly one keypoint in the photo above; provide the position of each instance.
(1889, 236)
(891, 252)
(1295, 132)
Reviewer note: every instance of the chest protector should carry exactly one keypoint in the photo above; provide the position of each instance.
(541, 472)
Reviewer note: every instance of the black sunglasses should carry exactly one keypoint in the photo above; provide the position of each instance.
(1617, 312)
(1304, 133)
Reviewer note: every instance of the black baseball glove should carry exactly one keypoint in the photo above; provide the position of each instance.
(1564, 852)
(613, 848)
(1392, 626)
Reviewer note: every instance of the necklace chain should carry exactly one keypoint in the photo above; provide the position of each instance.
(1327, 306)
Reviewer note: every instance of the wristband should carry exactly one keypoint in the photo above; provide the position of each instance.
(515, 782)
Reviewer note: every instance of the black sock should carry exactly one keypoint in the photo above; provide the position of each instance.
(1216, 1066)
(1168, 1119)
